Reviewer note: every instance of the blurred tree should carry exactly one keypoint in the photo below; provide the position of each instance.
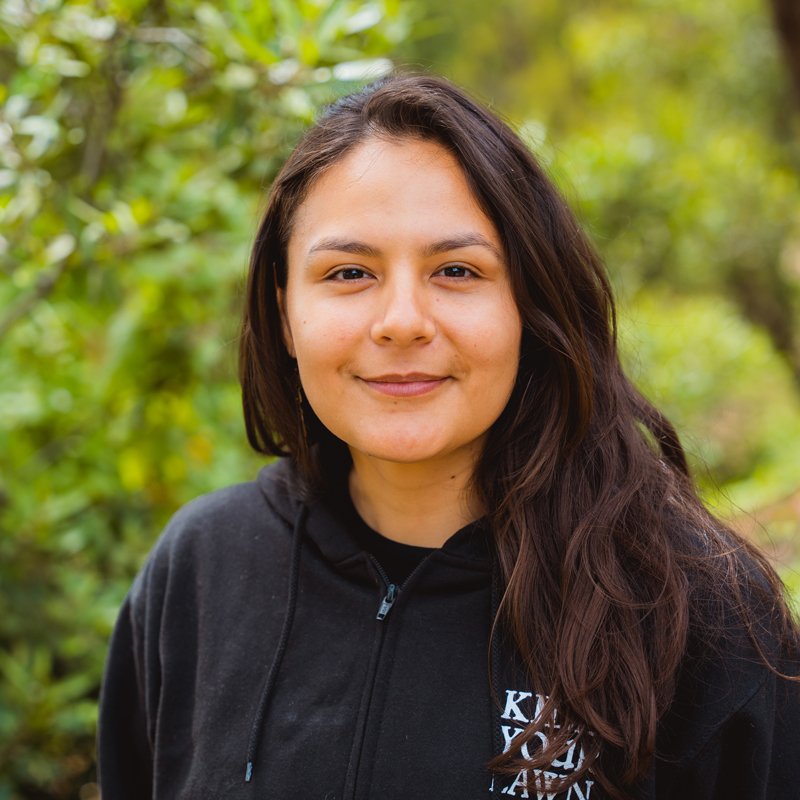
(787, 22)
(136, 139)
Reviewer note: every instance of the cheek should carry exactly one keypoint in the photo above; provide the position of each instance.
(503, 368)
(509, 336)
(493, 341)
(323, 349)
(317, 340)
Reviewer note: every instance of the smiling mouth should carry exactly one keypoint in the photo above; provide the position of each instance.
(413, 384)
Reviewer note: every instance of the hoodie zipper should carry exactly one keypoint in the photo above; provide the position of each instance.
(387, 602)
(389, 593)
(392, 589)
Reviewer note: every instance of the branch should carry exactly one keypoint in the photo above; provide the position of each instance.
(102, 120)
(179, 39)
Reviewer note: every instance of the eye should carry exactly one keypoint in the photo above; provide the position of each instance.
(456, 271)
(348, 274)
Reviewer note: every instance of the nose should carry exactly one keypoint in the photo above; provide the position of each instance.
(403, 314)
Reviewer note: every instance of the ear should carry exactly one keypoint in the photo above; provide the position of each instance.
(285, 329)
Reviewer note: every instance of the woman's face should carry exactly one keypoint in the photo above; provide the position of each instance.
(398, 306)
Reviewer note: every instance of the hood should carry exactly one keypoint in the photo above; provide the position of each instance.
(287, 493)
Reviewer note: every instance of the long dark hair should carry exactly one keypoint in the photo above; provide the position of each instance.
(603, 545)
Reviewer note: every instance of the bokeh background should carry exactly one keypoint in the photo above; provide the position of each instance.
(137, 141)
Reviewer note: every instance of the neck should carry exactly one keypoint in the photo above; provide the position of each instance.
(419, 504)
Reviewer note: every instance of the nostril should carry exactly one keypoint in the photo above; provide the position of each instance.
(404, 328)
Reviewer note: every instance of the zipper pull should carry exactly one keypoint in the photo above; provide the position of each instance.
(387, 602)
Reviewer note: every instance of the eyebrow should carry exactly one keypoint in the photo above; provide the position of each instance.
(460, 241)
(344, 246)
(434, 248)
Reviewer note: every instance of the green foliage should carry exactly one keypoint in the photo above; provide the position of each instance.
(712, 374)
(136, 140)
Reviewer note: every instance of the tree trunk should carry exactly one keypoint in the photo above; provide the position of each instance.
(787, 22)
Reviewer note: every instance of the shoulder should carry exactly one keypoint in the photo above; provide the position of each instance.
(742, 643)
(227, 535)
(733, 729)
(242, 510)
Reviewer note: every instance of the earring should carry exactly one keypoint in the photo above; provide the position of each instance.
(301, 400)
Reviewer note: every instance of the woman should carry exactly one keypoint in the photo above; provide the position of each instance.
(480, 568)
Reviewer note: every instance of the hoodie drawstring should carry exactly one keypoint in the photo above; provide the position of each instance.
(495, 660)
(291, 605)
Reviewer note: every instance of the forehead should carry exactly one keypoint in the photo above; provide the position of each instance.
(401, 187)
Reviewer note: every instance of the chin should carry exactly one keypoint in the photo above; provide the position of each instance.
(406, 450)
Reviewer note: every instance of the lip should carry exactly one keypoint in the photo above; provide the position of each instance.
(411, 384)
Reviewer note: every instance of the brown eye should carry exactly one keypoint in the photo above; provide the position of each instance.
(348, 274)
(456, 271)
(352, 274)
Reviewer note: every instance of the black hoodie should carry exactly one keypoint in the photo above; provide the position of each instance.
(262, 654)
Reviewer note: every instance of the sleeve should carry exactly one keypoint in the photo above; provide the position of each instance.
(130, 683)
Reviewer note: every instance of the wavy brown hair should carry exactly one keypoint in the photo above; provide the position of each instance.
(610, 562)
